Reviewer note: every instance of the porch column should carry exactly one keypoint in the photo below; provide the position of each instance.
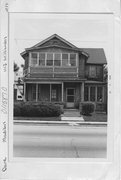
(62, 91)
(82, 92)
(50, 91)
(24, 97)
(36, 92)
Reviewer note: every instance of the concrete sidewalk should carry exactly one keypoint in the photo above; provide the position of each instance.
(73, 123)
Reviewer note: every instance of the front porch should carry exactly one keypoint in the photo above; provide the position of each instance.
(68, 93)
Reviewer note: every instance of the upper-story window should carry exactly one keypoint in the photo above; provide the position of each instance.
(57, 59)
(65, 59)
(92, 71)
(34, 59)
(41, 59)
(73, 59)
(53, 59)
(49, 59)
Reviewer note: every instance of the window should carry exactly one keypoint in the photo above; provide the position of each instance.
(70, 95)
(33, 92)
(99, 94)
(99, 71)
(64, 59)
(92, 71)
(53, 59)
(57, 59)
(92, 93)
(86, 93)
(42, 59)
(33, 59)
(49, 59)
(53, 94)
(73, 59)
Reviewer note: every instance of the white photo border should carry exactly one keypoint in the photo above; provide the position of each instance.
(19, 167)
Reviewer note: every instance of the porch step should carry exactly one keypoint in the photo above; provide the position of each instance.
(71, 115)
(70, 109)
(63, 118)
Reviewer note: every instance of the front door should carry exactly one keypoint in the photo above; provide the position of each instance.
(70, 97)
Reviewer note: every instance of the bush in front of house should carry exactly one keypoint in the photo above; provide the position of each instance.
(87, 108)
(17, 110)
(43, 109)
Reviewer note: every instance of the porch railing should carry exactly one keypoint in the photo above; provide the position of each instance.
(52, 72)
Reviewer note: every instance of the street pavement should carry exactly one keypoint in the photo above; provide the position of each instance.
(55, 141)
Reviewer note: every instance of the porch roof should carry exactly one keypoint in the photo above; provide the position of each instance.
(95, 82)
(50, 80)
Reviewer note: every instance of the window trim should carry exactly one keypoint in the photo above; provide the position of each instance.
(96, 86)
(31, 59)
(61, 65)
(102, 94)
(39, 59)
(57, 60)
(90, 71)
(53, 94)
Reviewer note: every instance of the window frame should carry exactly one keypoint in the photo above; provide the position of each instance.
(96, 93)
(75, 59)
(31, 59)
(57, 60)
(93, 94)
(90, 71)
(54, 94)
(42, 60)
(102, 94)
(50, 59)
(53, 53)
(65, 59)
(33, 90)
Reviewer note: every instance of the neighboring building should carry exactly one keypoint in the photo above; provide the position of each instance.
(57, 71)
(18, 86)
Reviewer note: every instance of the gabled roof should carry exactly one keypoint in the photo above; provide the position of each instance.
(44, 44)
(96, 55)
(52, 37)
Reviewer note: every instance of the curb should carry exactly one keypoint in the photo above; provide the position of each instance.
(60, 123)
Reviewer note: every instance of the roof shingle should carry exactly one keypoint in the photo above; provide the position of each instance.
(96, 55)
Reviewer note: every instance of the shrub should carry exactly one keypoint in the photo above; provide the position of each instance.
(87, 108)
(105, 108)
(17, 111)
(42, 109)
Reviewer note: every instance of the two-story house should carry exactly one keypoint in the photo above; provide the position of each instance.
(58, 71)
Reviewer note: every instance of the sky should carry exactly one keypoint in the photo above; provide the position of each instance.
(82, 31)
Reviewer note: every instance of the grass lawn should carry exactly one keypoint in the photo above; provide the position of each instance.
(38, 118)
(96, 117)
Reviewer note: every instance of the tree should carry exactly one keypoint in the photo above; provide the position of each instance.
(16, 67)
